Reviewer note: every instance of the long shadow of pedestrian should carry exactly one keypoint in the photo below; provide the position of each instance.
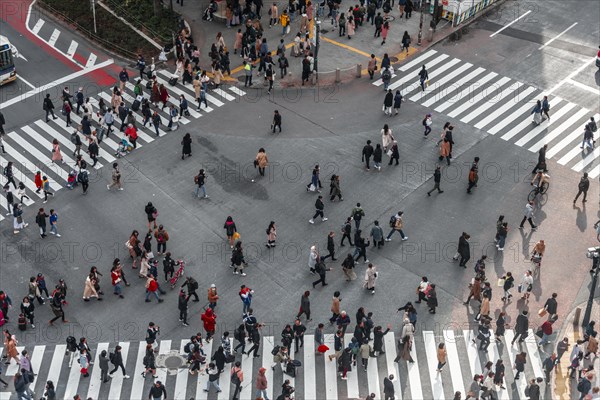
(581, 219)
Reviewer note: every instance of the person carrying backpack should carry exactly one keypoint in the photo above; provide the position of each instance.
(357, 214)
(83, 178)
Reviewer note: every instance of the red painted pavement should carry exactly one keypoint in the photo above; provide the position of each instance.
(14, 12)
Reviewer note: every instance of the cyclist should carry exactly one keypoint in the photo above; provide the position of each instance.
(541, 178)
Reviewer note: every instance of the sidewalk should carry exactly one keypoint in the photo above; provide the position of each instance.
(563, 387)
(334, 52)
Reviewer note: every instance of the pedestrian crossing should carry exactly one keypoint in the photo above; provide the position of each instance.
(499, 105)
(316, 379)
(29, 147)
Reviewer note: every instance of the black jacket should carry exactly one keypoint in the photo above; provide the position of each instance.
(183, 302)
(388, 101)
(330, 244)
(388, 387)
(157, 391)
(377, 154)
(551, 305)
(437, 176)
(584, 184)
(319, 205)
(367, 151)
(522, 324)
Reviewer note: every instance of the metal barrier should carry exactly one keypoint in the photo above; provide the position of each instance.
(325, 78)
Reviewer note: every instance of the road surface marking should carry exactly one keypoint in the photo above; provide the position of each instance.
(42, 89)
(310, 391)
(137, 381)
(572, 74)
(202, 379)
(491, 102)
(434, 377)
(38, 25)
(433, 81)
(19, 173)
(506, 26)
(95, 381)
(91, 60)
(466, 92)
(527, 122)
(331, 392)
(439, 83)
(66, 142)
(267, 360)
(520, 96)
(345, 46)
(435, 73)
(247, 387)
(450, 89)
(584, 87)
(25, 82)
(494, 355)
(54, 37)
(453, 362)
(556, 132)
(565, 109)
(41, 158)
(392, 367)
(416, 390)
(116, 382)
(557, 36)
(504, 122)
(414, 74)
(418, 60)
(72, 48)
(352, 375)
(56, 364)
(483, 93)
(575, 134)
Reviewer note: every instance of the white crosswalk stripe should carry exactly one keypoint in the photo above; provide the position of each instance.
(316, 378)
(29, 147)
(499, 105)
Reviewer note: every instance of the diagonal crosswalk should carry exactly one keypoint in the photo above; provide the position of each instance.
(317, 378)
(29, 147)
(500, 106)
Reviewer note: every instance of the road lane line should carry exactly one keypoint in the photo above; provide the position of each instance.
(556, 132)
(572, 74)
(576, 134)
(545, 127)
(509, 335)
(91, 60)
(95, 381)
(392, 366)
(44, 88)
(165, 348)
(137, 381)
(352, 375)
(453, 362)
(483, 94)
(437, 84)
(465, 92)
(116, 383)
(450, 89)
(54, 37)
(414, 75)
(56, 364)
(182, 377)
(19, 174)
(25, 82)
(557, 36)
(330, 370)
(267, 360)
(36, 362)
(491, 102)
(434, 377)
(584, 87)
(417, 60)
(38, 25)
(494, 355)
(506, 26)
(519, 96)
(72, 48)
(416, 390)
(202, 379)
(39, 156)
(512, 117)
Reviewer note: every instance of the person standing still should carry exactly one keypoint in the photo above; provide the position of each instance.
(584, 185)
(276, 121)
(367, 152)
(437, 177)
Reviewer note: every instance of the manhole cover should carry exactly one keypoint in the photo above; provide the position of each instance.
(241, 78)
(324, 30)
(394, 59)
(172, 361)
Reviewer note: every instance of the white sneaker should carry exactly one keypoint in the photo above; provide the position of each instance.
(125, 376)
(8, 213)
(405, 238)
(243, 274)
(107, 187)
(33, 326)
(58, 235)
(388, 240)
(311, 221)
(325, 219)
(121, 189)
(52, 233)
(367, 261)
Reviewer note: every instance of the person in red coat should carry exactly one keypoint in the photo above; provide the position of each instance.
(164, 95)
(131, 132)
(152, 288)
(210, 320)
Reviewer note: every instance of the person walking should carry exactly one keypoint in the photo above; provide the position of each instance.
(423, 78)
(464, 250)
(442, 355)
(321, 270)
(346, 232)
(45, 188)
(319, 207)
(388, 100)
(182, 305)
(583, 186)
(115, 177)
(388, 388)
(537, 113)
(330, 247)
(209, 320)
(367, 153)
(200, 181)
(48, 107)
(53, 220)
(473, 175)
(370, 278)
(56, 153)
(437, 177)
(304, 306)
(157, 391)
(398, 224)
(40, 220)
(103, 364)
(386, 78)
(237, 377)
(334, 188)
(528, 216)
(262, 384)
(394, 153)
(546, 107)
(261, 161)
(377, 234)
(521, 327)
(276, 121)
(432, 301)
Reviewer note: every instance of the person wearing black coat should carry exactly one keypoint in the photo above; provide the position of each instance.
(464, 251)
(432, 301)
(186, 142)
(345, 362)
(183, 307)
(377, 156)
(378, 334)
(319, 207)
(330, 247)
(521, 327)
(360, 246)
(219, 359)
(448, 135)
(367, 152)
(388, 102)
(347, 230)
(48, 106)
